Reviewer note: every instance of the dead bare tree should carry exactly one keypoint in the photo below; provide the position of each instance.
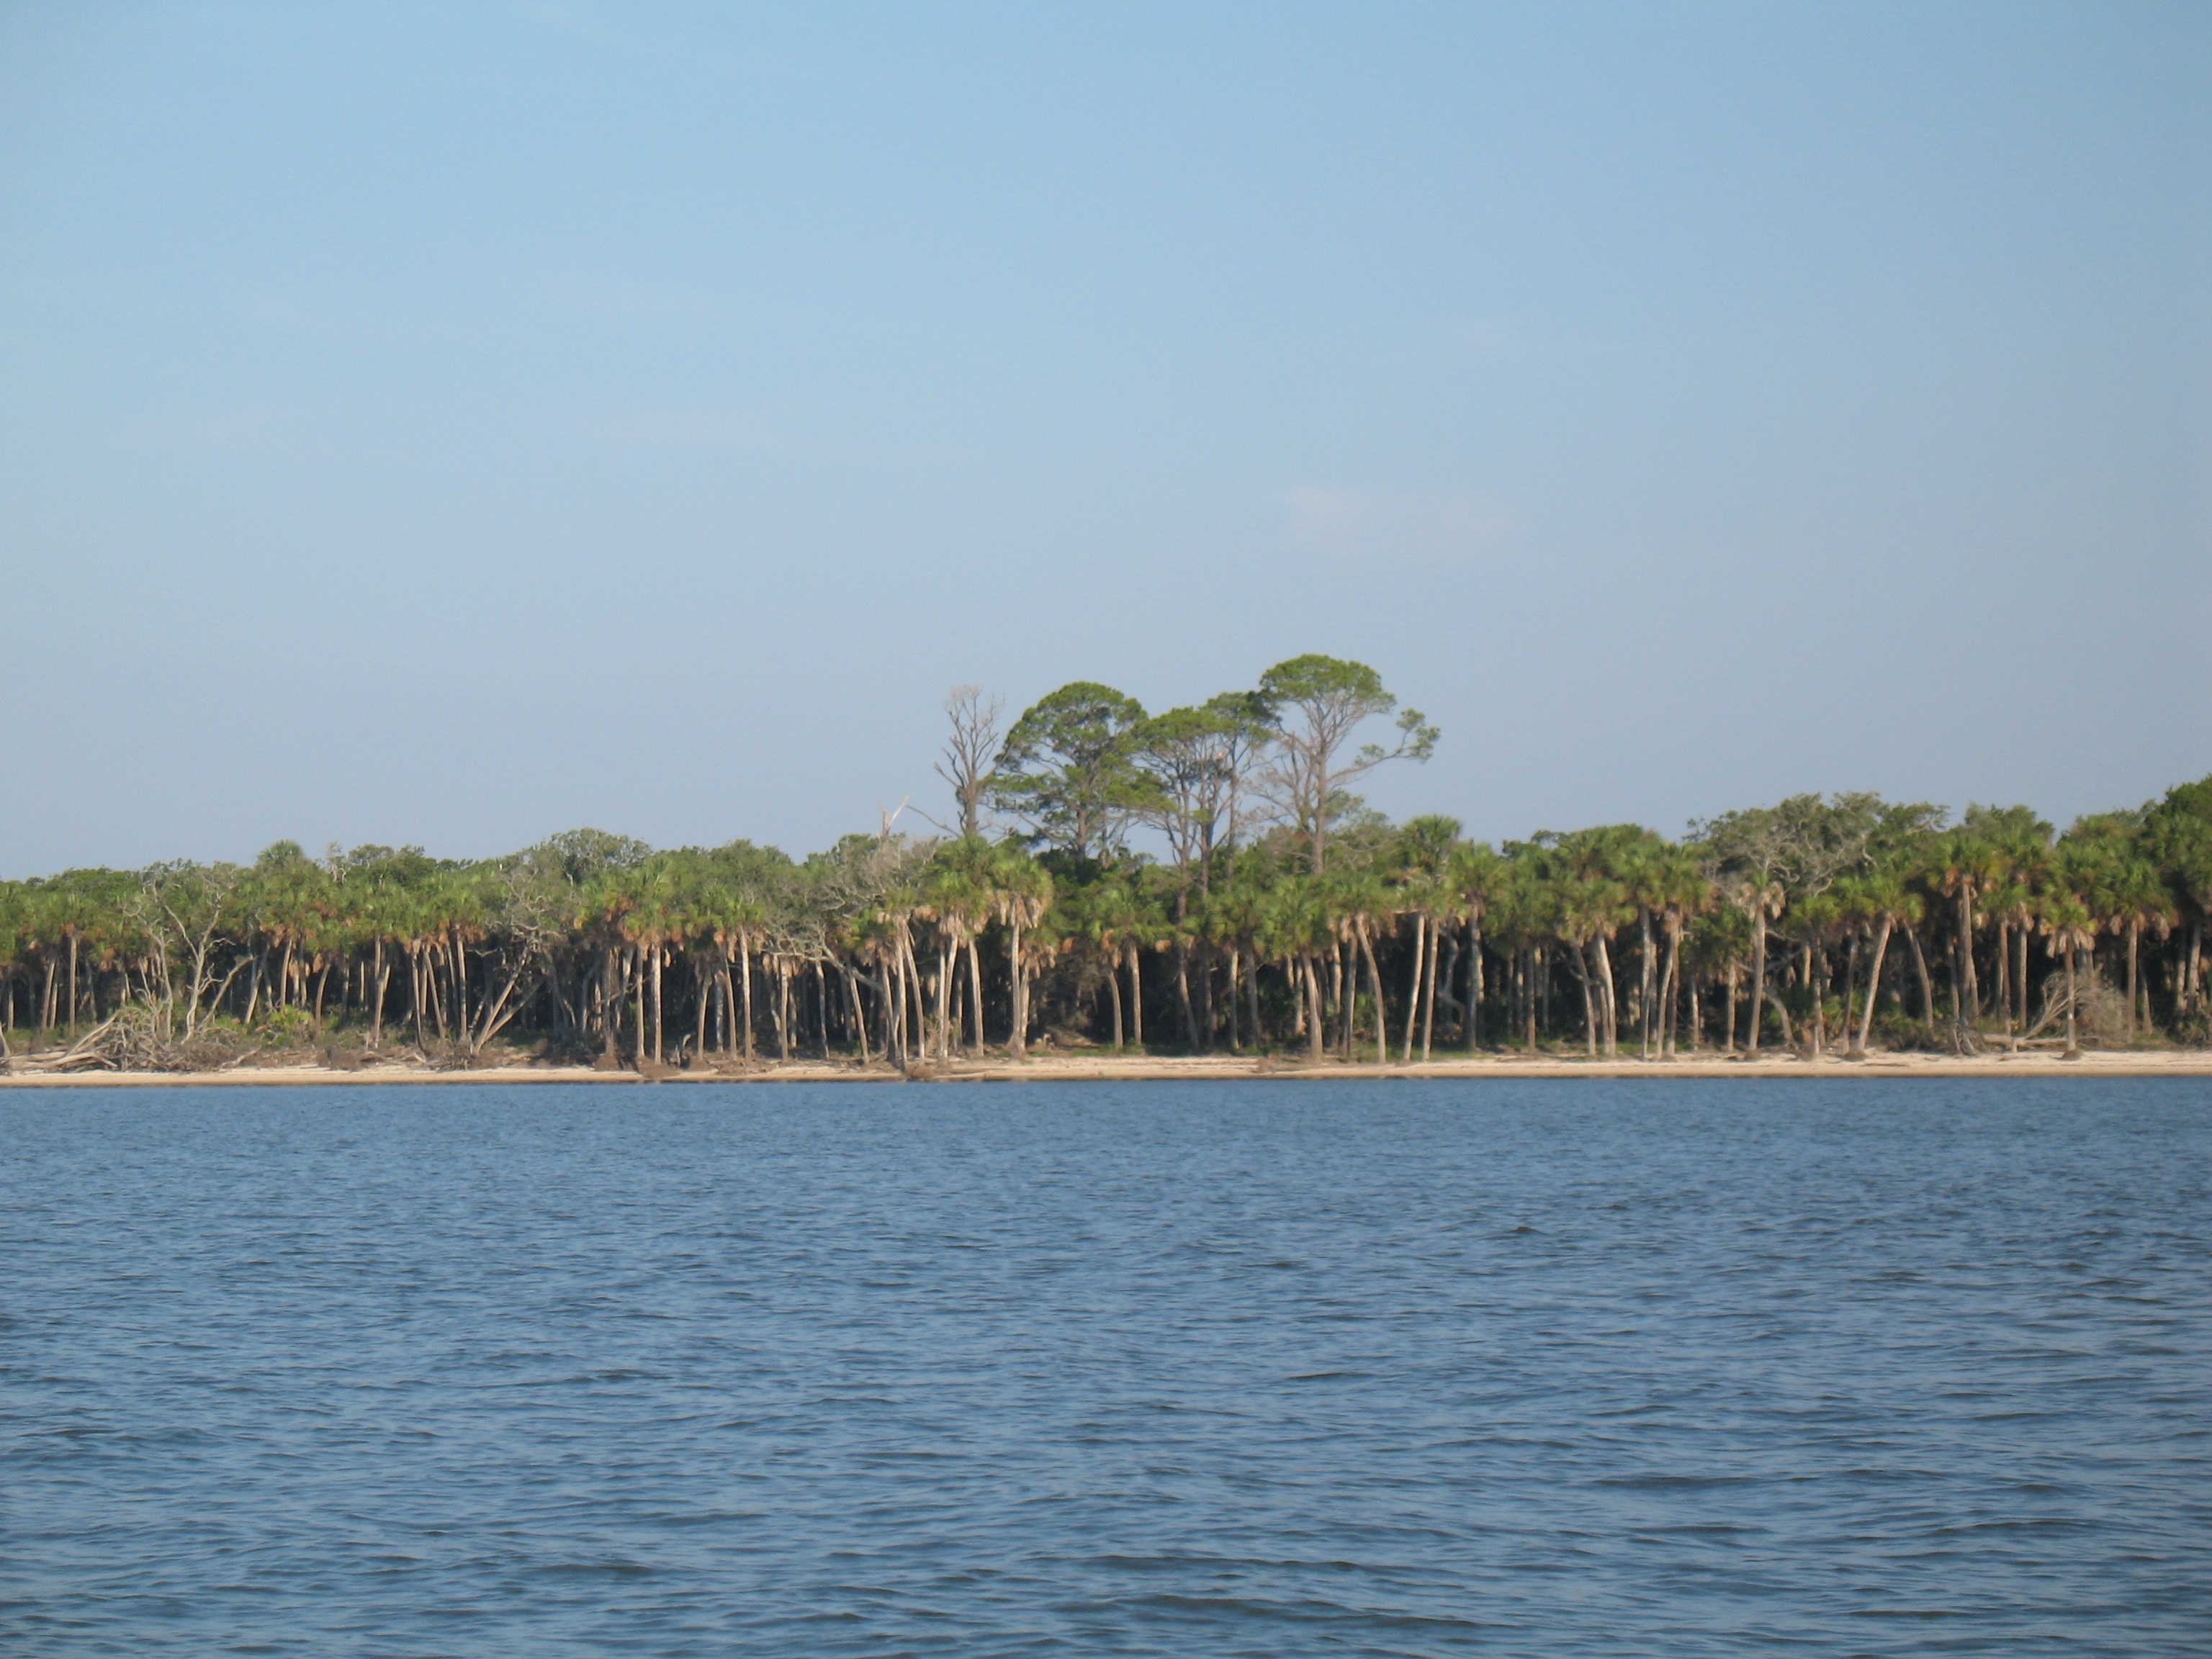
(184, 909)
(971, 751)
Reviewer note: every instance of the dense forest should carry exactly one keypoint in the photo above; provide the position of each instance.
(1204, 879)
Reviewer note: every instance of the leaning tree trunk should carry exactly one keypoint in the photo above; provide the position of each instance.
(1927, 984)
(1873, 988)
(1412, 995)
(1114, 996)
(1375, 990)
(948, 965)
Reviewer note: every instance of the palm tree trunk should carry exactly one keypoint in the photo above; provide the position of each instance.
(1429, 1000)
(1020, 1045)
(1236, 1036)
(1607, 1003)
(1252, 998)
(2134, 967)
(1589, 1004)
(1874, 987)
(1314, 1013)
(1340, 987)
(1473, 986)
(1969, 995)
(1927, 985)
(860, 1013)
(2073, 1042)
(637, 964)
(1184, 1009)
(659, 1023)
(1644, 1005)
(1114, 995)
(1207, 1020)
(1816, 980)
(2195, 979)
(705, 986)
(1375, 990)
(1758, 981)
(1532, 969)
(948, 964)
(975, 991)
(2004, 972)
(745, 983)
(1136, 995)
(917, 993)
(1412, 997)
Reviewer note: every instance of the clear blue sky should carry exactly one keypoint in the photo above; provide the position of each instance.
(455, 423)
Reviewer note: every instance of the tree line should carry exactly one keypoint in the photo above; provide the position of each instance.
(1206, 879)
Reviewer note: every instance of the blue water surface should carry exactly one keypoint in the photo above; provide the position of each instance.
(1280, 1367)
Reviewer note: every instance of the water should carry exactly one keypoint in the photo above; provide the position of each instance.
(1545, 1368)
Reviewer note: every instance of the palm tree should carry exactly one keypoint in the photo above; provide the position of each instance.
(1021, 893)
(2130, 899)
(1474, 876)
(2067, 923)
(1297, 923)
(1426, 851)
(2179, 835)
(1963, 868)
(1236, 914)
(1882, 901)
(1674, 883)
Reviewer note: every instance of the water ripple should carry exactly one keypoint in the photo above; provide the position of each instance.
(1694, 1368)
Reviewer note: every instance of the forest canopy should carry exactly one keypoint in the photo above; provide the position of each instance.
(1204, 879)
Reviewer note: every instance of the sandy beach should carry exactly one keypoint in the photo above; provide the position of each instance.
(1065, 1067)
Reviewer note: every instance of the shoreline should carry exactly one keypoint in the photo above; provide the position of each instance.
(1106, 1068)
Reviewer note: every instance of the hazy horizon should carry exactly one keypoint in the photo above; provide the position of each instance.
(451, 428)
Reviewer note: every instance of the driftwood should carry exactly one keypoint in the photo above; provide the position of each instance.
(89, 1053)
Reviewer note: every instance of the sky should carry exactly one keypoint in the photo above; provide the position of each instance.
(449, 425)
